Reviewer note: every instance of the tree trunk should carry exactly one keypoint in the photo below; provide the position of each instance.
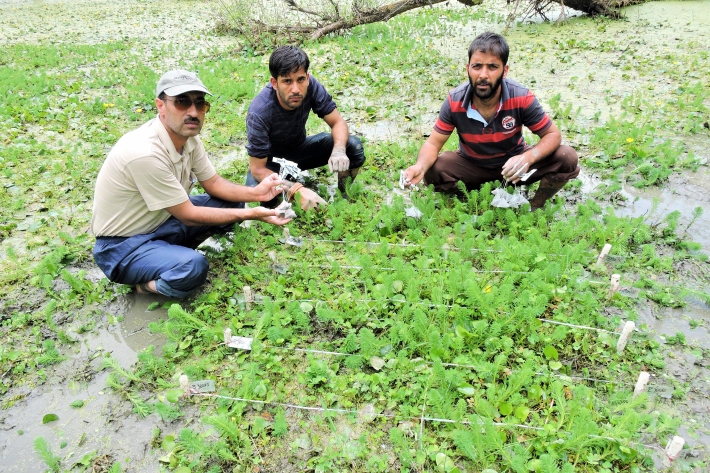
(599, 7)
(382, 13)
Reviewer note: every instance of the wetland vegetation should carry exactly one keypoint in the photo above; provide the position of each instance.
(472, 339)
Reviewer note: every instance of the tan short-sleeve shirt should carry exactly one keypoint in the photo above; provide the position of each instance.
(141, 176)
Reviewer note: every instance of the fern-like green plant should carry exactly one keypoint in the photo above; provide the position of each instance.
(140, 407)
(280, 427)
(114, 365)
(116, 468)
(50, 355)
(228, 429)
(44, 451)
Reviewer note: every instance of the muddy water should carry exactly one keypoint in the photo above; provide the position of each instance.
(683, 193)
(105, 422)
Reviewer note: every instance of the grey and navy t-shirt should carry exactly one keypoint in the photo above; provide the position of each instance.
(494, 142)
(273, 131)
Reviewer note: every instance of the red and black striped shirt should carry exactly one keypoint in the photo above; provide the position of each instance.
(502, 138)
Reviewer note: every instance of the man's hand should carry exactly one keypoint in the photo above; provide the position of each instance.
(269, 216)
(515, 168)
(338, 161)
(413, 175)
(268, 188)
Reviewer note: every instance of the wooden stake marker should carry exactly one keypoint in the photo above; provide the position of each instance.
(614, 284)
(185, 384)
(248, 297)
(227, 336)
(602, 255)
(624, 338)
(674, 447)
(640, 387)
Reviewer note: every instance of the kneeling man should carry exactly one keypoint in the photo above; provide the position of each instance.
(147, 225)
(489, 112)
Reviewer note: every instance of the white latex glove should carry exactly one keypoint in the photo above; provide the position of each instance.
(338, 162)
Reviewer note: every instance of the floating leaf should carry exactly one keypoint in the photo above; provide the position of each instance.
(377, 363)
(49, 418)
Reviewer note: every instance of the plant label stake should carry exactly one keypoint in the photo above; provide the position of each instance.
(614, 284)
(404, 182)
(204, 386)
(624, 338)
(641, 383)
(241, 343)
(289, 240)
(227, 336)
(602, 255)
(185, 384)
(248, 298)
(413, 212)
(674, 447)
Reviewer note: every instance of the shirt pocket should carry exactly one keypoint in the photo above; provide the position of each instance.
(189, 183)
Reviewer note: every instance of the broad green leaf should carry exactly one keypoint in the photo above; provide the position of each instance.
(306, 307)
(444, 463)
(49, 418)
(462, 332)
(521, 413)
(467, 390)
(534, 393)
(555, 365)
(173, 395)
(168, 443)
(260, 389)
(551, 353)
(377, 363)
(505, 408)
(397, 286)
(182, 469)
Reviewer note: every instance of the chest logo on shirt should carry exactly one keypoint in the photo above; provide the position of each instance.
(508, 122)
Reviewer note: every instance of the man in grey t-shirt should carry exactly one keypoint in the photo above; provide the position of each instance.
(276, 126)
(145, 220)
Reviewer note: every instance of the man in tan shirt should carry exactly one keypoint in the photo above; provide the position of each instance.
(147, 225)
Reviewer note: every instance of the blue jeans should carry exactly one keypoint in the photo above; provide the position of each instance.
(313, 153)
(166, 255)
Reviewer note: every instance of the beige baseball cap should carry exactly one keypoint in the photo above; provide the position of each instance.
(178, 82)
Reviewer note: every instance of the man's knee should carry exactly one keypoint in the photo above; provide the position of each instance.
(355, 152)
(567, 156)
(188, 273)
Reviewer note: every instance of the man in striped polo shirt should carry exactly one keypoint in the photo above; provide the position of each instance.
(489, 112)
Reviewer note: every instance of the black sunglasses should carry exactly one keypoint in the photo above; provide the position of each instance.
(184, 103)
